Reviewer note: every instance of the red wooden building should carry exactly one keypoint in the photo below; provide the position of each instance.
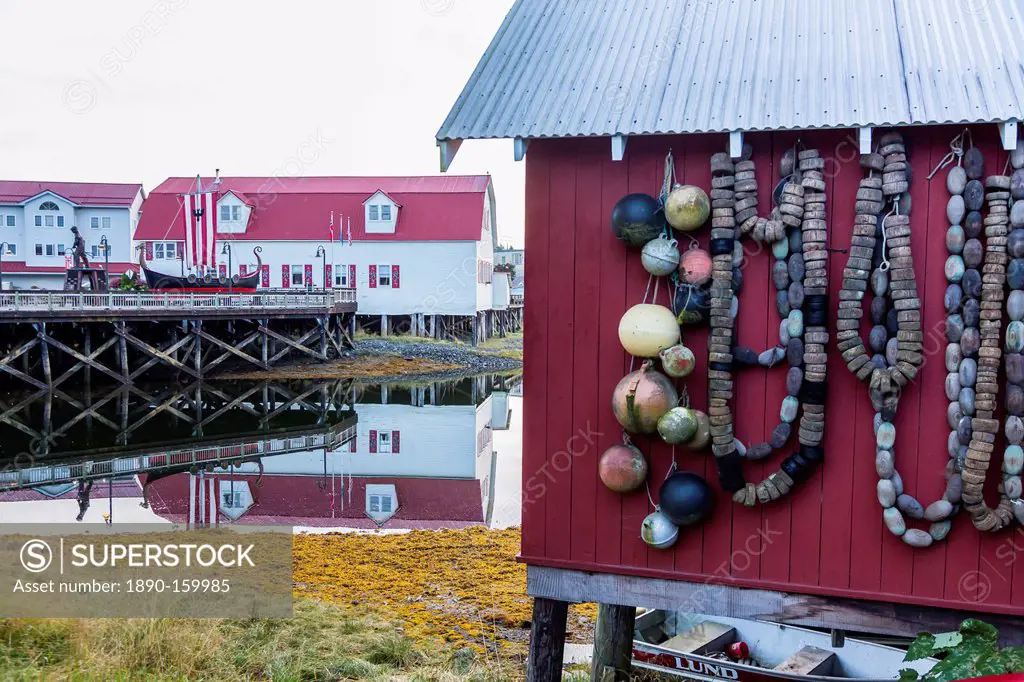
(594, 94)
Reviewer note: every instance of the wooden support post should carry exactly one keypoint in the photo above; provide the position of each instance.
(476, 330)
(383, 325)
(547, 640)
(122, 351)
(264, 349)
(322, 324)
(197, 329)
(45, 356)
(87, 345)
(613, 643)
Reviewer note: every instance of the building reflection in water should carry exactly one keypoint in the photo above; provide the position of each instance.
(312, 454)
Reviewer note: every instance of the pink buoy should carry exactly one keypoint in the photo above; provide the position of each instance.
(695, 266)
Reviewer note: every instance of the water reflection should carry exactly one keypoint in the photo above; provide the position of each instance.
(313, 454)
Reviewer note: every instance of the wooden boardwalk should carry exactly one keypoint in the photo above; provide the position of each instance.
(49, 337)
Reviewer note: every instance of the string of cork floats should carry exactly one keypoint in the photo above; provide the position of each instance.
(796, 232)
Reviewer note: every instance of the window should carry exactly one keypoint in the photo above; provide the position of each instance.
(60, 221)
(385, 212)
(170, 249)
(340, 275)
(48, 206)
(158, 251)
(60, 250)
(39, 249)
(94, 223)
(380, 503)
(384, 275)
(374, 212)
(298, 277)
(49, 249)
(233, 499)
(231, 214)
(384, 443)
(10, 221)
(106, 223)
(39, 221)
(225, 212)
(97, 251)
(12, 250)
(517, 259)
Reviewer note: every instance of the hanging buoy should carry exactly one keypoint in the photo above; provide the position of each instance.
(622, 468)
(637, 219)
(660, 257)
(692, 305)
(658, 531)
(702, 436)
(685, 498)
(677, 361)
(678, 425)
(687, 208)
(641, 397)
(695, 266)
(647, 329)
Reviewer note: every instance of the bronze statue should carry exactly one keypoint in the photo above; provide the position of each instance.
(78, 249)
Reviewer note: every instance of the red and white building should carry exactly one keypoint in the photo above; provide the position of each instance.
(416, 248)
(35, 228)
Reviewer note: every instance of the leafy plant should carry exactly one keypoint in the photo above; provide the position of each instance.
(971, 651)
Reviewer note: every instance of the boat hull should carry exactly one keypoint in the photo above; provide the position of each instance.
(159, 281)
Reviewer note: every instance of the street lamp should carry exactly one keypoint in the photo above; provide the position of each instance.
(106, 256)
(3, 249)
(227, 250)
(320, 251)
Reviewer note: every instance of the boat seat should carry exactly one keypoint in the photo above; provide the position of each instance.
(810, 660)
(702, 638)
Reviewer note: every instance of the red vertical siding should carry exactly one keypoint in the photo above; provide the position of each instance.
(827, 536)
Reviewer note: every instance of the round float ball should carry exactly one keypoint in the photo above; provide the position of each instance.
(678, 425)
(685, 498)
(660, 257)
(677, 361)
(647, 329)
(637, 219)
(658, 531)
(692, 304)
(695, 266)
(640, 398)
(702, 437)
(687, 208)
(622, 468)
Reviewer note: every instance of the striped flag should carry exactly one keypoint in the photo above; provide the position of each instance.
(331, 226)
(350, 231)
(201, 229)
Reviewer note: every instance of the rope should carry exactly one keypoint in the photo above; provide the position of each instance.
(670, 176)
(884, 266)
(955, 153)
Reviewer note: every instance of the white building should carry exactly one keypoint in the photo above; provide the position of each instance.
(419, 250)
(35, 228)
(510, 256)
(422, 458)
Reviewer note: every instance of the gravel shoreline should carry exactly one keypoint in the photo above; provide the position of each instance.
(470, 361)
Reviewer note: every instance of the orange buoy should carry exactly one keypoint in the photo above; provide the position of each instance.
(695, 266)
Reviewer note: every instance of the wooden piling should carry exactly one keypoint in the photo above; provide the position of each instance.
(613, 643)
(547, 640)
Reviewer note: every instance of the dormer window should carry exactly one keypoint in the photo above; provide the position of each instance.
(381, 213)
(231, 214)
(374, 212)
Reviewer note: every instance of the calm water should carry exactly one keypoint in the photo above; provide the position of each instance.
(317, 455)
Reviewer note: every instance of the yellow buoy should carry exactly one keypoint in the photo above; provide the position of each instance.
(647, 329)
(687, 208)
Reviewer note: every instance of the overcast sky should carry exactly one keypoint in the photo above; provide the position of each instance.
(136, 91)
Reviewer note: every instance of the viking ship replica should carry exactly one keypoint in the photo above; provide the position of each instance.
(199, 211)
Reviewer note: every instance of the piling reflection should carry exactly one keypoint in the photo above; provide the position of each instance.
(313, 454)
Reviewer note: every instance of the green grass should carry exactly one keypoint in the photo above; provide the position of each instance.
(322, 642)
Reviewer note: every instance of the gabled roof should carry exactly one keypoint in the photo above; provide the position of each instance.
(390, 198)
(564, 68)
(434, 208)
(81, 193)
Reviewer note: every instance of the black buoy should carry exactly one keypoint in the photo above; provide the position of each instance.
(692, 305)
(637, 219)
(685, 498)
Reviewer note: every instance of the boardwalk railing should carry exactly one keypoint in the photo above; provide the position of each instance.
(33, 476)
(57, 301)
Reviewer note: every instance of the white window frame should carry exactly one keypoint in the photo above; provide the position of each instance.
(61, 250)
(106, 222)
(96, 251)
(298, 271)
(94, 222)
(225, 213)
(383, 442)
(39, 249)
(340, 274)
(158, 251)
(48, 220)
(171, 251)
(50, 249)
(60, 221)
(385, 212)
(12, 250)
(384, 276)
(38, 222)
(378, 499)
(231, 500)
(11, 221)
(236, 213)
(374, 212)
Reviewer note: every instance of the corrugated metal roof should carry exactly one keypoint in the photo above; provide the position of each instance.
(559, 68)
